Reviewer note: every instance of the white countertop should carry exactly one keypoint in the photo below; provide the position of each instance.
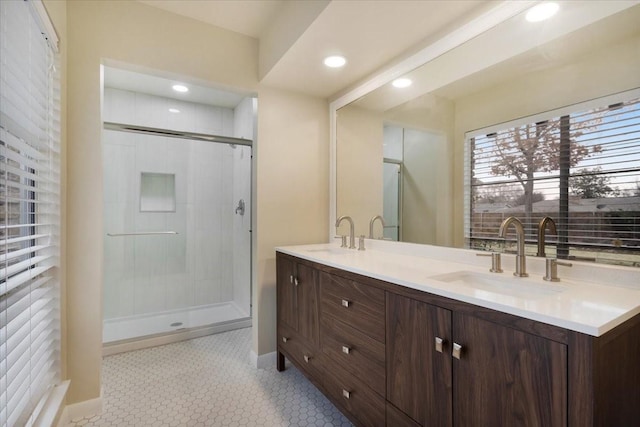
(590, 298)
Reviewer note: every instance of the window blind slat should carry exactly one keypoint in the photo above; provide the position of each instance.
(22, 278)
(23, 266)
(16, 254)
(22, 239)
(21, 299)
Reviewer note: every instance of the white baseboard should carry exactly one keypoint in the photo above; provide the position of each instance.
(163, 339)
(82, 409)
(263, 361)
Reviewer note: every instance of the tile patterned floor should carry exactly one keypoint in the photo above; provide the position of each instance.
(207, 381)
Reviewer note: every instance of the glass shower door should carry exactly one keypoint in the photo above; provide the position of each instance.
(177, 246)
(392, 196)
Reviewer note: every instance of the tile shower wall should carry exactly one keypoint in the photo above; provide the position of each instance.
(148, 274)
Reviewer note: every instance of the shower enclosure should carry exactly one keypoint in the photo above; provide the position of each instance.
(177, 215)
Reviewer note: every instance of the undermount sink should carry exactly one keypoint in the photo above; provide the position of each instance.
(331, 251)
(503, 285)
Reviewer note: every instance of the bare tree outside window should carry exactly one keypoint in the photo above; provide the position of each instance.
(523, 151)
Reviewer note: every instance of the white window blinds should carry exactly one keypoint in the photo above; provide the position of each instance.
(579, 166)
(29, 212)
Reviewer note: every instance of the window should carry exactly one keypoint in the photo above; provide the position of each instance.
(579, 165)
(29, 211)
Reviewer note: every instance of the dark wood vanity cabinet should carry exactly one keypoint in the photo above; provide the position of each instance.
(352, 340)
(502, 377)
(507, 377)
(430, 385)
(298, 328)
(390, 355)
(419, 369)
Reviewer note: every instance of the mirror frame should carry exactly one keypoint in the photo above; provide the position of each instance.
(484, 22)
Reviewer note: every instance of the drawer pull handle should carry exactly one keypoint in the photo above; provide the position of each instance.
(285, 339)
(345, 349)
(346, 394)
(307, 358)
(439, 344)
(457, 350)
(346, 303)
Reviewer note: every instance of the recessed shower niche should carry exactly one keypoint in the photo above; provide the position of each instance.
(157, 192)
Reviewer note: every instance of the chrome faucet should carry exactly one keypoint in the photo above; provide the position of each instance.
(521, 260)
(371, 225)
(352, 237)
(541, 229)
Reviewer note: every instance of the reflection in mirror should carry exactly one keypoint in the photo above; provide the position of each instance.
(516, 70)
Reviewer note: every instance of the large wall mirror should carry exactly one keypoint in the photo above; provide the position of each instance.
(414, 155)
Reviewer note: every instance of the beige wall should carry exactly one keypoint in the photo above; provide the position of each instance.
(292, 191)
(359, 167)
(292, 137)
(607, 71)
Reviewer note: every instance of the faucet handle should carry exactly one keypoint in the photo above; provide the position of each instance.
(361, 243)
(343, 239)
(496, 262)
(551, 273)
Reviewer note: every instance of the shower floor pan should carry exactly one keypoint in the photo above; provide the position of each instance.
(142, 326)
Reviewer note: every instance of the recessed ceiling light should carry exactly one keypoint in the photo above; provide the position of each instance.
(174, 110)
(180, 88)
(402, 82)
(335, 61)
(542, 11)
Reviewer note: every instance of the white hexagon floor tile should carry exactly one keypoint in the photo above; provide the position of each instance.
(207, 381)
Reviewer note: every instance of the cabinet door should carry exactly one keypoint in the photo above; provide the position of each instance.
(307, 303)
(506, 377)
(418, 374)
(286, 302)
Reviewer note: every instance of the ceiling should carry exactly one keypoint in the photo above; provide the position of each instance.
(145, 83)
(369, 33)
(248, 17)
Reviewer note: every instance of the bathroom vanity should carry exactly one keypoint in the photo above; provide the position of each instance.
(421, 335)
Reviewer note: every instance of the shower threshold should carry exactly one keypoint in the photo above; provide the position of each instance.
(135, 332)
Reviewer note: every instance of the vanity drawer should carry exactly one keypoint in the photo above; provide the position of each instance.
(302, 354)
(348, 392)
(361, 306)
(354, 351)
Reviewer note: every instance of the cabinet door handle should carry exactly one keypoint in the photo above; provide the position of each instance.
(295, 281)
(345, 349)
(457, 350)
(291, 278)
(346, 394)
(439, 344)
(346, 303)
(285, 339)
(307, 358)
